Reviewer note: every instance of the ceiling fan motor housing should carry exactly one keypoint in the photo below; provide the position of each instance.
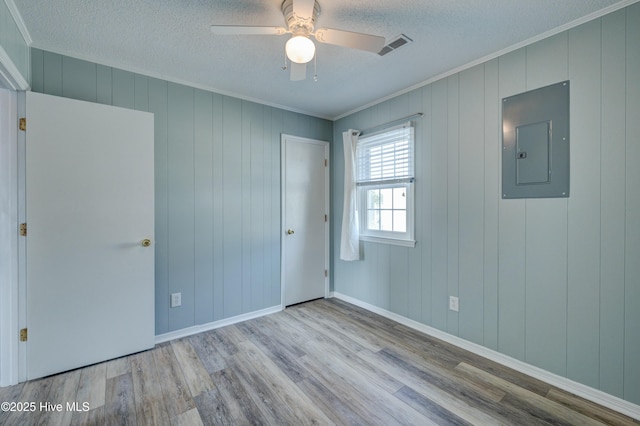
(300, 25)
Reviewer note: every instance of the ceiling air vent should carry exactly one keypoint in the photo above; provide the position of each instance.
(395, 44)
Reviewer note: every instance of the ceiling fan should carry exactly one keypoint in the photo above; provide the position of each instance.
(300, 17)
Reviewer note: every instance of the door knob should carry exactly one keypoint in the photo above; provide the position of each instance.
(146, 242)
(289, 231)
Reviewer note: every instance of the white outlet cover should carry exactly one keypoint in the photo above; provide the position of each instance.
(454, 303)
(176, 300)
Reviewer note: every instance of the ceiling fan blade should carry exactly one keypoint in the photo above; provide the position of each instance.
(303, 8)
(368, 42)
(246, 30)
(298, 71)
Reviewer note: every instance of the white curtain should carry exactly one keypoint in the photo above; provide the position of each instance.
(350, 240)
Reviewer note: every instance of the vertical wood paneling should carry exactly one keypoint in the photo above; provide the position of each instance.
(232, 207)
(140, 92)
(277, 120)
(217, 162)
(511, 234)
(416, 268)
(217, 210)
(398, 279)
(559, 278)
(453, 197)
(492, 155)
(439, 241)
(270, 233)
(632, 249)
(546, 285)
(471, 216)
(612, 229)
(52, 77)
(546, 237)
(425, 180)
(291, 123)
(273, 120)
(158, 100)
(79, 79)
(103, 85)
(539, 264)
(181, 202)
(375, 276)
(257, 200)
(583, 292)
(245, 209)
(203, 209)
(123, 89)
(262, 190)
(37, 70)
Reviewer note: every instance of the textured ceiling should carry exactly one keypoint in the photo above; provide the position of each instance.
(171, 39)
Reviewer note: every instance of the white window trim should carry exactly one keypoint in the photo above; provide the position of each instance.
(405, 239)
(388, 240)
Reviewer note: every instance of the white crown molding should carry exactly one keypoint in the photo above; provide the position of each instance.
(590, 17)
(17, 18)
(9, 74)
(599, 397)
(160, 76)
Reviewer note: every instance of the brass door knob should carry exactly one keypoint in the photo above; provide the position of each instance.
(146, 242)
(289, 231)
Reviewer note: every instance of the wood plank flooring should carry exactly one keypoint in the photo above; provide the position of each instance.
(323, 362)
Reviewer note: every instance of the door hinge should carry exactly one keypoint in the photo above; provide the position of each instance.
(326, 162)
(326, 273)
(22, 124)
(23, 229)
(325, 218)
(23, 335)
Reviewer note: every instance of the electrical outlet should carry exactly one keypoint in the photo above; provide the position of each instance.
(454, 303)
(176, 300)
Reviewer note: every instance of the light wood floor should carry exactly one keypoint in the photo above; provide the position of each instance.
(323, 362)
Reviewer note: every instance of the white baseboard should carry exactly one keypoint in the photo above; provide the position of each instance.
(599, 397)
(178, 334)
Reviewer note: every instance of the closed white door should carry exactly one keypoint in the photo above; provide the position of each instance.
(305, 226)
(89, 208)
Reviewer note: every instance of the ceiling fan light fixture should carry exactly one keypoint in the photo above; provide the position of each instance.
(300, 49)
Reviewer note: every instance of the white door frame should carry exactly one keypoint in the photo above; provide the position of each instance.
(10, 82)
(8, 237)
(283, 169)
(10, 194)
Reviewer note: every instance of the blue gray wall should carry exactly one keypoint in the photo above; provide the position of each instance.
(552, 282)
(217, 179)
(12, 42)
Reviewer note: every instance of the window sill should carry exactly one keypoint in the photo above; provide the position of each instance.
(390, 241)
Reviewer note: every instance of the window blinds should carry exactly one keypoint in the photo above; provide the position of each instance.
(386, 156)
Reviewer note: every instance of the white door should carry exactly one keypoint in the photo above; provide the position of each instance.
(89, 206)
(305, 226)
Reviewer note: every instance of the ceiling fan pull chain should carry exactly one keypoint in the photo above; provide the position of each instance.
(315, 67)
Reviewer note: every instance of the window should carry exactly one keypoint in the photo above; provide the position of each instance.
(385, 181)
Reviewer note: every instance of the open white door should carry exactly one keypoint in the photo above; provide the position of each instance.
(305, 225)
(89, 206)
